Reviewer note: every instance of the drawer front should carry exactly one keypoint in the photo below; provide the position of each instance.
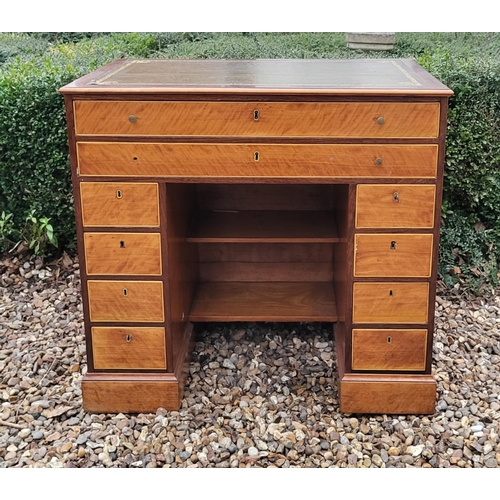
(119, 204)
(127, 348)
(256, 160)
(393, 255)
(395, 206)
(123, 253)
(390, 303)
(126, 301)
(391, 350)
(270, 119)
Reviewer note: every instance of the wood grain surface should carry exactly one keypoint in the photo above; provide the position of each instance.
(257, 119)
(123, 253)
(266, 271)
(239, 160)
(126, 301)
(119, 204)
(273, 226)
(129, 348)
(393, 255)
(389, 349)
(264, 302)
(387, 394)
(395, 206)
(265, 197)
(390, 302)
(130, 393)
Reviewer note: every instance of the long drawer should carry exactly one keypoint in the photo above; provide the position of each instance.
(395, 206)
(256, 160)
(390, 303)
(123, 253)
(393, 255)
(389, 350)
(126, 301)
(130, 348)
(120, 204)
(250, 119)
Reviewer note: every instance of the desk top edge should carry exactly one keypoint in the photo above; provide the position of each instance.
(260, 76)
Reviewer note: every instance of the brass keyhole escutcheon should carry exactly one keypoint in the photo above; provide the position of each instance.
(132, 119)
(396, 197)
(122, 244)
(380, 120)
(393, 245)
(378, 161)
(256, 115)
(125, 292)
(119, 193)
(390, 293)
(256, 156)
(128, 337)
(389, 340)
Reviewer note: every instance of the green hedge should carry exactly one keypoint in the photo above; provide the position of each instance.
(34, 167)
(470, 244)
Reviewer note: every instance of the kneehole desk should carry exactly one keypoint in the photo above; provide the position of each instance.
(262, 190)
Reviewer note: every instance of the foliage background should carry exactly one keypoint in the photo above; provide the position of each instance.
(34, 165)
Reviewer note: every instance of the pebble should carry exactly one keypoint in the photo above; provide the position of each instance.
(258, 394)
(253, 452)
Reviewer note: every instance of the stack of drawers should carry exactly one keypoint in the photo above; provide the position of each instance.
(151, 140)
(118, 250)
(392, 303)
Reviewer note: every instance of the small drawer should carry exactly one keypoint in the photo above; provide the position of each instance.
(127, 348)
(120, 204)
(127, 301)
(252, 119)
(123, 253)
(395, 206)
(257, 160)
(390, 303)
(389, 350)
(393, 255)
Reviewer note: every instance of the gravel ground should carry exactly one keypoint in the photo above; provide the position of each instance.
(259, 394)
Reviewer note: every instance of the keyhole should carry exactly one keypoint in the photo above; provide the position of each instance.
(122, 244)
(128, 338)
(256, 156)
(134, 158)
(389, 340)
(125, 292)
(118, 194)
(396, 197)
(393, 245)
(390, 293)
(256, 115)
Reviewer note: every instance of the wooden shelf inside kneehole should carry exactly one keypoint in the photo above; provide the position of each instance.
(264, 301)
(263, 226)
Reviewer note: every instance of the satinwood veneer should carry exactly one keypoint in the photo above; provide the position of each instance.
(265, 190)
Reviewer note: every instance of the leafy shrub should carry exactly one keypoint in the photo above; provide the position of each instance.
(17, 44)
(64, 37)
(469, 252)
(7, 232)
(38, 233)
(471, 196)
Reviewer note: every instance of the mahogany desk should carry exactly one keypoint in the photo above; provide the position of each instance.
(264, 190)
